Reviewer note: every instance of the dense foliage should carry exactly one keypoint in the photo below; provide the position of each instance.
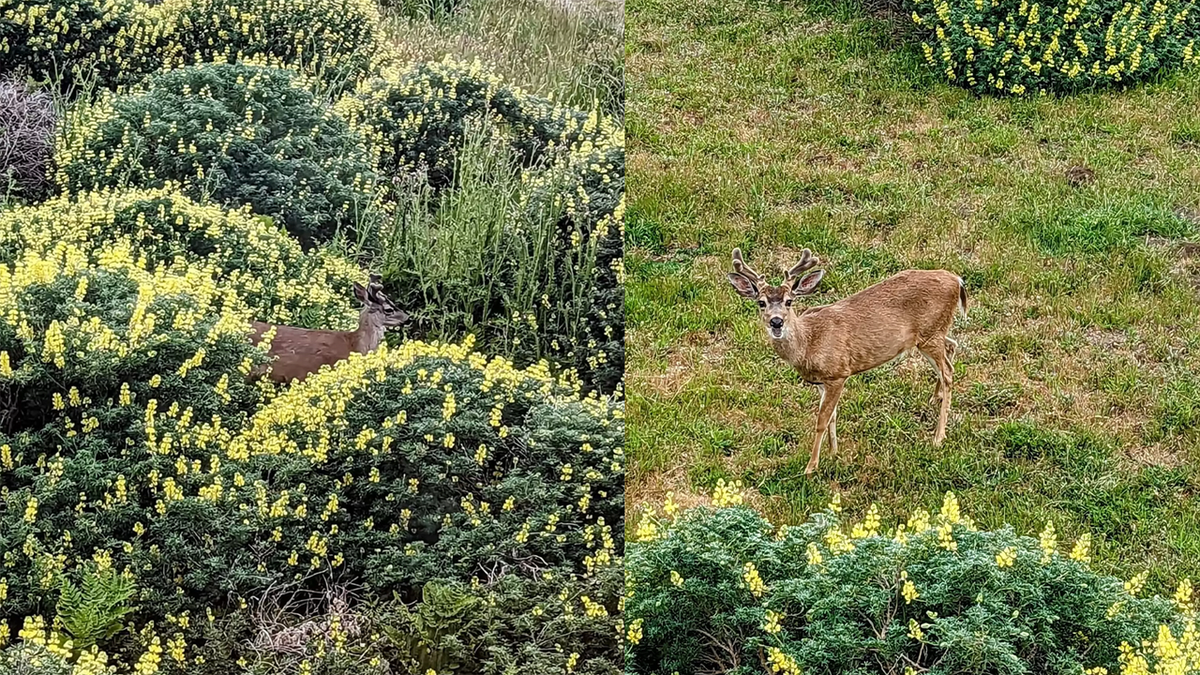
(249, 255)
(1024, 47)
(234, 133)
(62, 41)
(721, 590)
(569, 165)
(127, 445)
(335, 40)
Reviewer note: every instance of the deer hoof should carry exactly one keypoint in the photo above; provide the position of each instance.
(808, 470)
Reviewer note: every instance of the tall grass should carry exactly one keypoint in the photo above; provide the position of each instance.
(569, 50)
(487, 257)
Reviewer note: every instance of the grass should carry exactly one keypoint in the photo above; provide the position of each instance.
(569, 50)
(778, 126)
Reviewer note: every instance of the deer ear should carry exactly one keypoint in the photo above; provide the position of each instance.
(744, 287)
(360, 293)
(807, 283)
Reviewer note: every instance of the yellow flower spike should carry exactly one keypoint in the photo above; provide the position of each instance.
(1048, 540)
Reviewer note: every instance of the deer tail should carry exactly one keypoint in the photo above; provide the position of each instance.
(962, 296)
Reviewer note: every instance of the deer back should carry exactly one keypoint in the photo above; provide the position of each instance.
(297, 352)
(875, 325)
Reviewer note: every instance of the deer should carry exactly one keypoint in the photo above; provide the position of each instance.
(909, 312)
(298, 352)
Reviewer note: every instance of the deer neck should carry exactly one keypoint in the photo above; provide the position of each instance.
(793, 346)
(369, 334)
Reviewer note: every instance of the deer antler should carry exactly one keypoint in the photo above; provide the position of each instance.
(743, 269)
(807, 262)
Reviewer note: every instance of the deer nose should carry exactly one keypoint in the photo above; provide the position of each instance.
(776, 322)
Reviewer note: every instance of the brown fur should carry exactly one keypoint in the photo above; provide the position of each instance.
(911, 311)
(297, 352)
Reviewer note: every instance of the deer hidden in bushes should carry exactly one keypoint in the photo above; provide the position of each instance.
(911, 311)
(297, 352)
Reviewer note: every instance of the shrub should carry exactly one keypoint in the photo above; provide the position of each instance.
(238, 134)
(715, 588)
(1022, 47)
(334, 40)
(564, 186)
(27, 121)
(62, 41)
(249, 255)
(541, 627)
(393, 469)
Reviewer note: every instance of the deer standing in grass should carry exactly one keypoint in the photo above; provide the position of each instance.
(912, 310)
(298, 352)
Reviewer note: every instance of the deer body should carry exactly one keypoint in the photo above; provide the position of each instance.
(298, 352)
(911, 311)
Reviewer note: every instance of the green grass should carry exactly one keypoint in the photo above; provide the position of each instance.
(778, 126)
(569, 50)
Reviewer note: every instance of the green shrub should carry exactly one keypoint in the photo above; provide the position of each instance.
(540, 627)
(715, 588)
(235, 133)
(62, 41)
(557, 292)
(393, 469)
(1023, 47)
(334, 40)
(250, 256)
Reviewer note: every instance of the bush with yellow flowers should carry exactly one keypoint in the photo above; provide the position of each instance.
(334, 40)
(710, 588)
(1025, 47)
(128, 446)
(62, 41)
(569, 166)
(236, 134)
(267, 269)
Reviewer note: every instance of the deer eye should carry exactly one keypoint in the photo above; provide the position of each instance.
(762, 303)
(788, 303)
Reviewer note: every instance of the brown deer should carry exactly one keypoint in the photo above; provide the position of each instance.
(297, 352)
(912, 310)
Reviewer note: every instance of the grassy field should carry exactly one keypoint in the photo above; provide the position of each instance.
(566, 49)
(780, 126)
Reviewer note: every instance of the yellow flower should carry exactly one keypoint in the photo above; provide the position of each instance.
(910, 590)
(753, 581)
(772, 622)
(727, 494)
(634, 635)
(1006, 557)
(1048, 541)
(1082, 546)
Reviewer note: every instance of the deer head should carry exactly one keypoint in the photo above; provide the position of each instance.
(775, 302)
(378, 309)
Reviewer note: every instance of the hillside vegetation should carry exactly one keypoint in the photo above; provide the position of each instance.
(452, 501)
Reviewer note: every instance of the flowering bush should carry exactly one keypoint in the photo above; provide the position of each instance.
(714, 588)
(394, 468)
(59, 41)
(336, 40)
(571, 164)
(238, 134)
(249, 255)
(1024, 47)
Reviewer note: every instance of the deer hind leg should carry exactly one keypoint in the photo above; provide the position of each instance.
(936, 351)
(831, 392)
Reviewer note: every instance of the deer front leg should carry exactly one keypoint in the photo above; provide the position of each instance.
(831, 392)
